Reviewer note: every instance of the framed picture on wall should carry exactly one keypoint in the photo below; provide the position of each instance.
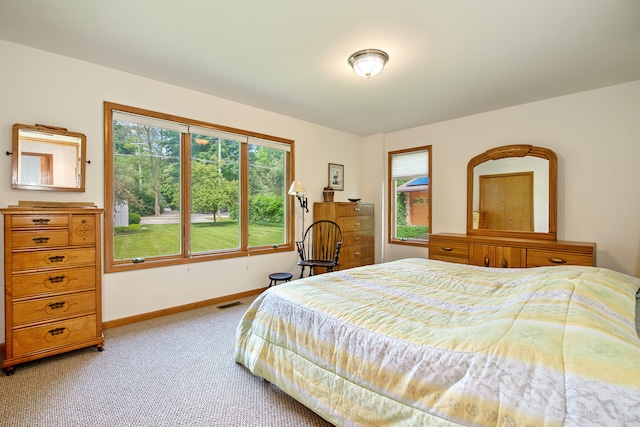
(336, 176)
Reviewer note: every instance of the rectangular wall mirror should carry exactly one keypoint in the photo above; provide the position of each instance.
(47, 158)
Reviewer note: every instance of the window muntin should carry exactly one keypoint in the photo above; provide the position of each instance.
(193, 182)
(409, 196)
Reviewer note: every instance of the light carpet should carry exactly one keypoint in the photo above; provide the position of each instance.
(176, 370)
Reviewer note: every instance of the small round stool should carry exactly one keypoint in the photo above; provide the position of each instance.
(279, 277)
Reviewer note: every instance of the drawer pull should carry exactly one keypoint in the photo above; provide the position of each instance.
(56, 305)
(40, 239)
(41, 221)
(557, 260)
(357, 254)
(56, 279)
(57, 258)
(357, 224)
(356, 209)
(50, 335)
(357, 239)
(447, 248)
(505, 263)
(486, 261)
(56, 331)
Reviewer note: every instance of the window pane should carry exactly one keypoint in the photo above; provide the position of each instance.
(146, 190)
(215, 170)
(409, 196)
(267, 195)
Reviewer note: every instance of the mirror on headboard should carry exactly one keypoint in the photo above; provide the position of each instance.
(512, 192)
(47, 158)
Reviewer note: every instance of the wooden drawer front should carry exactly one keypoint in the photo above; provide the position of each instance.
(446, 249)
(55, 334)
(354, 209)
(352, 238)
(39, 238)
(54, 258)
(83, 229)
(355, 252)
(355, 223)
(53, 281)
(39, 221)
(541, 258)
(38, 310)
(355, 263)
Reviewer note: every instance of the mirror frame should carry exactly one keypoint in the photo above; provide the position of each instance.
(81, 167)
(507, 151)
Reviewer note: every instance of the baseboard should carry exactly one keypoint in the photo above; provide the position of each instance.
(179, 309)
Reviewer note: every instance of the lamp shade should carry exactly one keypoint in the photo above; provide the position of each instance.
(368, 62)
(297, 189)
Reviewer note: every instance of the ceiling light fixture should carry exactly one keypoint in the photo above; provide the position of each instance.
(368, 62)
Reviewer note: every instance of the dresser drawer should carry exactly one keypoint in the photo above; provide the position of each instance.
(53, 258)
(39, 221)
(53, 281)
(355, 263)
(39, 239)
(352, 238)
(43, 309)
(446, 250)
(55, 334)
(356, 252)
(542, 258)
(83, 229)
(355, 223)
(354, 209)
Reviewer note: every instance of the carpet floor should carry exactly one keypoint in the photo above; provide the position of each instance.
(176, 370)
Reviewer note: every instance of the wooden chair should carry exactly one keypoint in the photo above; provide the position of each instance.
(320, 246)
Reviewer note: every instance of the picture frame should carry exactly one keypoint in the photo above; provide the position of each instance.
(336, 176)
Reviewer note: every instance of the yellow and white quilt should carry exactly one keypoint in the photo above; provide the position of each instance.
(418, 342)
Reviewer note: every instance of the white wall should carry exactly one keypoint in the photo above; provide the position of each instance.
(596, 136)
(39, 87)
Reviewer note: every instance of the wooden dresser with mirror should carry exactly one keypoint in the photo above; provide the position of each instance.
(512, 197)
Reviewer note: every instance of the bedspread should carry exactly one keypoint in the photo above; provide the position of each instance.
(429, 343)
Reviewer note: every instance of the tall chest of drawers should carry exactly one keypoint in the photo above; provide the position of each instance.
(356, 222)
(52, 278)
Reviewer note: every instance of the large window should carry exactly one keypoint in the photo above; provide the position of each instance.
(180, 190)
(409, 196)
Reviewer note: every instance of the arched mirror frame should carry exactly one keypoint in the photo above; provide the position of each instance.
(79, 166)
(508, 151)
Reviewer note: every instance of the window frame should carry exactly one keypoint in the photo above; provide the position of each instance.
(391, 205)
(185, 257)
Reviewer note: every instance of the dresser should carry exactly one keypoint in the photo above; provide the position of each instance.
(52, 278)
(506, 252)
(356, 222)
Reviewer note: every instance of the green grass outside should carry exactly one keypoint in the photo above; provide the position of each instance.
(418, 232)
(164, 239)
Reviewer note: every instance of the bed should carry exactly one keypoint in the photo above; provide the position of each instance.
(420, 342)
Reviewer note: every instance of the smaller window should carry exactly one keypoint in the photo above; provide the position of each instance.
(409, 196)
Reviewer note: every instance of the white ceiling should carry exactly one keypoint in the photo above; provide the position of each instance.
(448, 58)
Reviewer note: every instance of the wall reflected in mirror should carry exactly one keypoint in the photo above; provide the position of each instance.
(47, 158)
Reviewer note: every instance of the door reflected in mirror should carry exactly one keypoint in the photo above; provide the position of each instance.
(47, 158)
(513, 194)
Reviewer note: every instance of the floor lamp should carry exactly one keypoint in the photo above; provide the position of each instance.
(298, 190)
